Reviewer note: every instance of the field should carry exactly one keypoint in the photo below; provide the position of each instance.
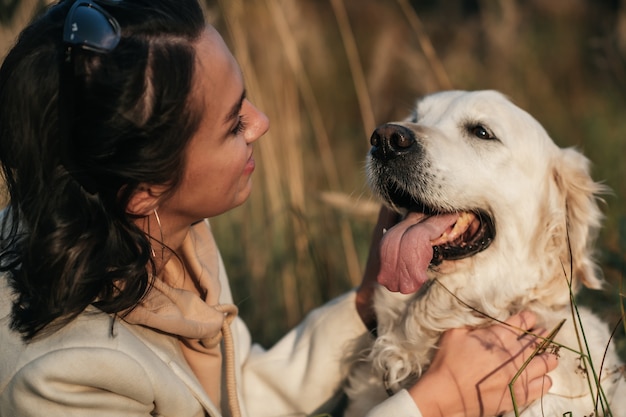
(327, 72)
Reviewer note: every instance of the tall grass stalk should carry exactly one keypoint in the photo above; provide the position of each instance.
(356, 69)
(430, 54)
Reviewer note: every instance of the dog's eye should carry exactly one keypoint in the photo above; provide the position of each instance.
(481, 132)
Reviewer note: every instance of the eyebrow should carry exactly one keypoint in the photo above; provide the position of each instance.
(234, 111)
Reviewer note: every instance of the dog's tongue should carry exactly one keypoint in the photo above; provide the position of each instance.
(406, 251)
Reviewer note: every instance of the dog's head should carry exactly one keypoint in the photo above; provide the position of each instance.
(519, 195)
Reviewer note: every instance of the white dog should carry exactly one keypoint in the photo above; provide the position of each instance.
(510, 221)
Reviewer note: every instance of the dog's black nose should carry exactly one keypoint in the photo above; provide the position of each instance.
(389, 141)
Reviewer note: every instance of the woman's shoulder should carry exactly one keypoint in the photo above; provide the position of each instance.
(97, 356)
(85, 369)
(92, 335)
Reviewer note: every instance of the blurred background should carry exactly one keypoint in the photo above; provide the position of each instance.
(327, 72)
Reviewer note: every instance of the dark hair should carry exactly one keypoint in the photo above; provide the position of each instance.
(64, 247)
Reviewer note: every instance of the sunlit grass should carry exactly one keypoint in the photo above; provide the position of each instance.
(304, 72)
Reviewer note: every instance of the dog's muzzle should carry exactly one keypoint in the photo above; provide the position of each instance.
(398, 174)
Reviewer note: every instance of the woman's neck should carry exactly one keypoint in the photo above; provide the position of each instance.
(166, 235)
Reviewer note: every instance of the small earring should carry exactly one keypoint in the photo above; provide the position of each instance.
(146, 222)
(158, 219)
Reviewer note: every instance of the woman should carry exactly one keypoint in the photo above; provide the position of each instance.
(124, 124)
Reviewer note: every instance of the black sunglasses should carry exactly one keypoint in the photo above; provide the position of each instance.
(88, 27)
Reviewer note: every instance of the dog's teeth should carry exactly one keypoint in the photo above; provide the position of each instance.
(384, 230)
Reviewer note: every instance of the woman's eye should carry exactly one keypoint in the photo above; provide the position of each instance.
(240, 126)
(481, 132)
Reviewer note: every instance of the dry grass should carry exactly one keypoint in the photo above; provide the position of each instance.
(326, 72)
(332, 70)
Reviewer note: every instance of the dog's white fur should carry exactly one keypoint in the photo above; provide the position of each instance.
(544, 205)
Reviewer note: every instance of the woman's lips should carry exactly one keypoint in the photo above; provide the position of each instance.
(250, 165)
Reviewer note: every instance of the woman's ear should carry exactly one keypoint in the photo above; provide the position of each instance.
(144, 199)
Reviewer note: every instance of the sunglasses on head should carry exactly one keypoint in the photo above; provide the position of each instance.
(88, 27)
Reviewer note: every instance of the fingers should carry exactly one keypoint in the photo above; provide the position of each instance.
(525, 320)
(477, 366)
(522, 328)
(519, 327)
(541, 365)
(538, 387)
(533, 382)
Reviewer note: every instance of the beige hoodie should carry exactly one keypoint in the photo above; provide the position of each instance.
(184, 301)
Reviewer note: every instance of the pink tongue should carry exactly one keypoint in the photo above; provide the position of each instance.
(406, 251)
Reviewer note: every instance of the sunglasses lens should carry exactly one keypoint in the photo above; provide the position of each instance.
(91, 27)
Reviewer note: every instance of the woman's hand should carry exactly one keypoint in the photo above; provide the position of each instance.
(386, 220)
(472, 369)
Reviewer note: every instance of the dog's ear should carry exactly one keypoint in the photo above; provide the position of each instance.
(579, 195)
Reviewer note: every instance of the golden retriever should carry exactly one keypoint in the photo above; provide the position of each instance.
(507, 222)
